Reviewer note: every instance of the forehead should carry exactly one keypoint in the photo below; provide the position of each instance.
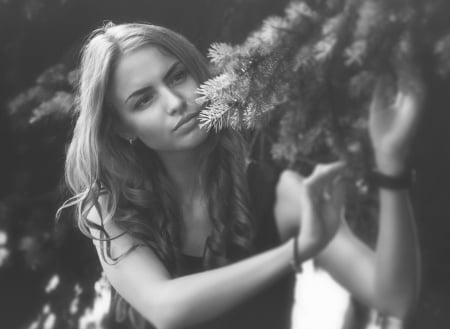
(139, 68)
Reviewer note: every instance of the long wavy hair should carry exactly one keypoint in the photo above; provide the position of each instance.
(128, 184)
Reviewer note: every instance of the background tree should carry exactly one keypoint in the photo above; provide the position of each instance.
(299, 84)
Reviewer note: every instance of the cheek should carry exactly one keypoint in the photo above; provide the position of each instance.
(154, 137)
(152, 130)
(189, 91)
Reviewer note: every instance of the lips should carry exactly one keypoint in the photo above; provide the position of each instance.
(185, 119)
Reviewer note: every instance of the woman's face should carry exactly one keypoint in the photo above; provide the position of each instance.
(154, 95)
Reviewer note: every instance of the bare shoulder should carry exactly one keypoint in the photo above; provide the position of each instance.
(103, 228)
(132, 267)
(101, 225)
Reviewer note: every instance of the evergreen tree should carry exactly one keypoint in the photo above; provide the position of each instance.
(298, 87)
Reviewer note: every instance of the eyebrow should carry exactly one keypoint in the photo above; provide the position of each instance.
(142, 90)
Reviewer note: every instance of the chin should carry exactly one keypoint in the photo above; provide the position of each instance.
(193, 139)
(185, 141)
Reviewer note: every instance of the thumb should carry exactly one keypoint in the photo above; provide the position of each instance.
(382, 93)
(324, 173)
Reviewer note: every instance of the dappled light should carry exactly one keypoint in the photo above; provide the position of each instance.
(305, 82)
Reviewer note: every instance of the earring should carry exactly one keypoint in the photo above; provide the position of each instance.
(131, 141)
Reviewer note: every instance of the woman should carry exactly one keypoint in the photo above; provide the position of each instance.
(180, 233)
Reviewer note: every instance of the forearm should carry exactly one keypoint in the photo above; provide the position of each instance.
(397, 255)
(199, 297)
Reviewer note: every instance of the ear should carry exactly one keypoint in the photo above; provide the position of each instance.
(123, 131)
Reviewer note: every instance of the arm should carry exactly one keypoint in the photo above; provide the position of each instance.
(174, 303)
(398, 260)
(388, 278)
(143, 281)
(392, 128)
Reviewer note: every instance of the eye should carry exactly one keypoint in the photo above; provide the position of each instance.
(178, 76)
(144, 100)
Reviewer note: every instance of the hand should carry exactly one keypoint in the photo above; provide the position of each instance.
(394, 118)
(317, 201)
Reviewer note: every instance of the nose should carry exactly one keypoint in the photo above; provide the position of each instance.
(175, 102)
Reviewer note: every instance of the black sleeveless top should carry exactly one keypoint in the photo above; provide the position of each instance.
(271, 307)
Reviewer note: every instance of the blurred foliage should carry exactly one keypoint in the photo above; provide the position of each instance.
(302, 81)
(317, 64)
(49, 274)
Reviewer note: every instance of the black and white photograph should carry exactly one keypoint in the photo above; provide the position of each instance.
(225, 164)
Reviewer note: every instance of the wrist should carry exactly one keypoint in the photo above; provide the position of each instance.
(389, 165)
(401, 181)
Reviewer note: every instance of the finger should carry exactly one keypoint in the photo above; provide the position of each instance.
(399, 100)
(328, 189)
(409, 105)
(382, 95)
(325, 172)
(407, 70)
(334, 190)
(403, 60)
(332, 209)
(318, 182)
(409, 80)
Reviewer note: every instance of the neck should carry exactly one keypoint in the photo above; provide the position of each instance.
(184, 169)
